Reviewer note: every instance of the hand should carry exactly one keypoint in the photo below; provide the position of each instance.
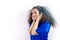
(34, 33)
(33, 19)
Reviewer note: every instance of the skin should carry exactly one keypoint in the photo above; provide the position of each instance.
(36, 16)
(35, 13)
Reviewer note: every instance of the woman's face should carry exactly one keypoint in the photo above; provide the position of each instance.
(35, 13)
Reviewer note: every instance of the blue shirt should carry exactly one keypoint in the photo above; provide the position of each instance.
(42, 30)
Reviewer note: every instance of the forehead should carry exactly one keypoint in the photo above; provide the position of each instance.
(35, 9)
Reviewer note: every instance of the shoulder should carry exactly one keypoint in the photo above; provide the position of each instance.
(46, 23)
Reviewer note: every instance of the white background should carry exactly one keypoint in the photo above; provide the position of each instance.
(14, 15)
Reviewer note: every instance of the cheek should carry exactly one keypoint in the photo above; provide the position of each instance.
(37, 14)
(34, 17)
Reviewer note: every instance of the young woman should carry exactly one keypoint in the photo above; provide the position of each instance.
(40, 21)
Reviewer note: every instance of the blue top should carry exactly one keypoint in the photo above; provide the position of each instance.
(42, 30)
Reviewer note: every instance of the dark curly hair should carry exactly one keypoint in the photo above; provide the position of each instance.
(46, 15)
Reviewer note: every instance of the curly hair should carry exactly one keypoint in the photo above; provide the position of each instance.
(46, 15)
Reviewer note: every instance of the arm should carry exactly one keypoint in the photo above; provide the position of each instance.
(30, 28)
(35, 26)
